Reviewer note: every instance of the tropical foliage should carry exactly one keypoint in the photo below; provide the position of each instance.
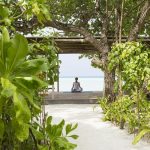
(18, 84)
(124, 113)
(21, 65)
(131, 61)
(18, 101)
(47, 49)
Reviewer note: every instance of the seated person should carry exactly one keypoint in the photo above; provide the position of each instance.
(76, 86)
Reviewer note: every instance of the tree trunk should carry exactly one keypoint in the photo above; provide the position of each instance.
(109, 80)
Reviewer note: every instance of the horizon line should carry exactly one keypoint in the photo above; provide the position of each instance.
(81, 76)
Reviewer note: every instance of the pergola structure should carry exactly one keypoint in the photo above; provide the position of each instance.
(76, 44)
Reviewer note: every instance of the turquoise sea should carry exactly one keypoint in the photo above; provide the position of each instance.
(87, 83)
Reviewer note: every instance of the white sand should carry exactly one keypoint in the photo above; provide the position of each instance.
(94, 134)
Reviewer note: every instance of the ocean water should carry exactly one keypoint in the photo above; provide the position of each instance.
(87, 83)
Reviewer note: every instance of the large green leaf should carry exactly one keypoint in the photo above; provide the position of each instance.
(32, 67)
(23, 114)
(38, 135)
(23, 117)
(4, 12)
(17, 51)
(27, 93)
(32, 83)
(8, 88)
(4, 44)
(21, 130)
(5, 34)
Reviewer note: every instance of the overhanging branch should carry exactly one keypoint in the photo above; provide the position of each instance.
(140, 21)
(70, 28)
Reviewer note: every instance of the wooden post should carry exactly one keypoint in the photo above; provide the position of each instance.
(58, 76)
(53, 92)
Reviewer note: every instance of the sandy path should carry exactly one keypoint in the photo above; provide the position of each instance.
(94, 134)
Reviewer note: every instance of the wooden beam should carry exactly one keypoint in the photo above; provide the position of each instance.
(79, 45)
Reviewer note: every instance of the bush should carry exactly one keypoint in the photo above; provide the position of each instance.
(124, 111)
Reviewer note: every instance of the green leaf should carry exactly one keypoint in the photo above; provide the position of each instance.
(70, 128)
(4, 12)
(5, 35)
(35, 9)
(22, 131)
(2, 127)
(45, 12)
(60, 126)
(17, 51)
(23, 114)
(32, 83)
(49, 120)
(38, 135)
(8, 88)
(74, 136)
(43, 147)
(75, 126)
(32, 67)
(4, 44)
(27, 92)
(30, 99)
(7, 21)
(65, 144)
(140, 135)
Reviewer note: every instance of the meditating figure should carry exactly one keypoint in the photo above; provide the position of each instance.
(76, 86)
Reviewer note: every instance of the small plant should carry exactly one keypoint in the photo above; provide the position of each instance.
(49, 136)
(58, 135)
(130, 60)
(144, 131)
(104, 104)
(124, 112)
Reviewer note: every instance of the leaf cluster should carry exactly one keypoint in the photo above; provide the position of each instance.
(47, 49)
(131, 60)
(123, 112)
(19, 108)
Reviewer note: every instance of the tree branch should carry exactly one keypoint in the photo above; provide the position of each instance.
(140, 21)
(98, 62)
(104, 33)
(70, 28)
(127, 14)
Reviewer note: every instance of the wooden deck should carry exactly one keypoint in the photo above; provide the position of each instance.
(72, 98)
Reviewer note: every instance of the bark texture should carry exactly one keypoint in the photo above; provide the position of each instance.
(109, 80)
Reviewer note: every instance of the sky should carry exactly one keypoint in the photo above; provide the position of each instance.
(73, 66)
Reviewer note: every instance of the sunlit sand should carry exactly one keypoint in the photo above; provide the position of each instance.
(94, 134)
